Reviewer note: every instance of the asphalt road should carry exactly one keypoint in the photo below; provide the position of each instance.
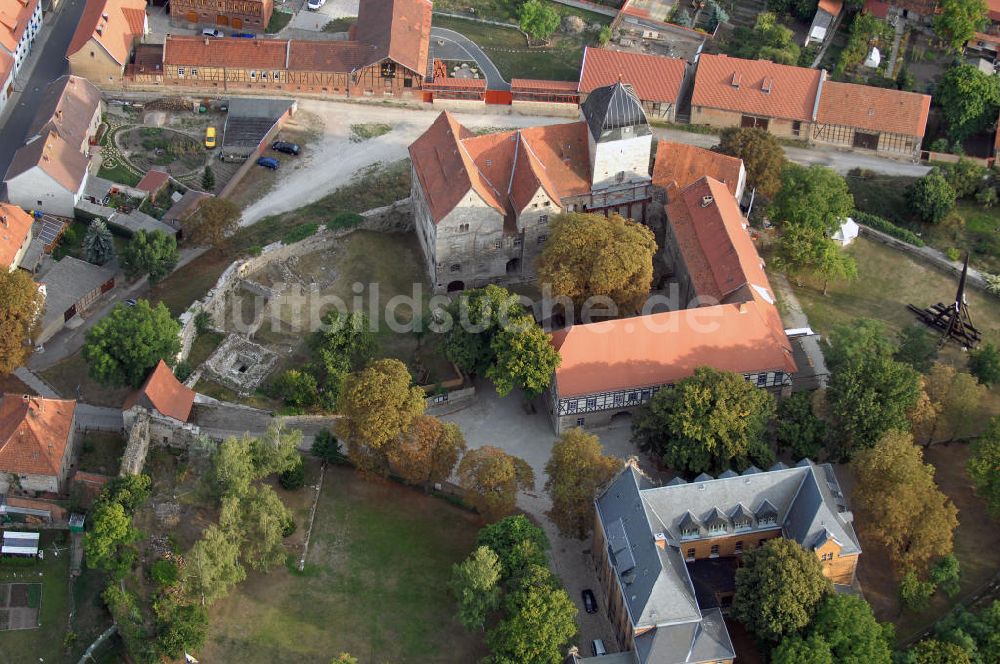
(46, 63)
(456, 46)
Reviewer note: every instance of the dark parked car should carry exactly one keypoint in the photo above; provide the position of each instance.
(244, 35)
(589, 602)
(286, 147)
(269, 162)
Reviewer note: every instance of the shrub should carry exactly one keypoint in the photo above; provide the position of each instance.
(984, 364)
(183, 370)
(203, 322)
(884, 225)
(300, 233)
(987, 197)
(992, 283)
(965, 176)
(296, 388)
(344, 219)
(293, 478)
(931, 197)
(164, 573)
(914, 594)
(255, 250)
(939, 145)
(953, 253)
(327, 447)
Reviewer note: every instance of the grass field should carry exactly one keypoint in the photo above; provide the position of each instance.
(71, 374)
(46, 642)
(374, 585)
(509, 51)
(203, 347)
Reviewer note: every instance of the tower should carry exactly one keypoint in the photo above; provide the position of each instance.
(618, 136)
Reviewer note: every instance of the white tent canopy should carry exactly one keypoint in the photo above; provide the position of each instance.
(19, 543)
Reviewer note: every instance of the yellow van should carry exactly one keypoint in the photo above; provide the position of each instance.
(210, 137)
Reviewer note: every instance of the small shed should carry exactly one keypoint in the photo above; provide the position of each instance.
(19, 543)
(76, 522)
(847, 233)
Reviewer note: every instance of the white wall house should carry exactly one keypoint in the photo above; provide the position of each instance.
(20, 22)
(47, 175)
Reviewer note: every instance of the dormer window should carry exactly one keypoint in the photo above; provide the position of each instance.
(689, 526)
(767, 514)
(717, 523)
(742, 518)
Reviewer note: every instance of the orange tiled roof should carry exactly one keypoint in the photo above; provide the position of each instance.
(164, 393)
(34, 432)
(832, 7)
(114, 24)
(654, 77)
(399, 29)
(993, 9)
(757, 87)
(678, 165)
(661, 349)
(875, 109)
(266, 54)
(15, 226)
(60, 160)
(14, 18)
(535, 85)
(505, 169)
(67, 108)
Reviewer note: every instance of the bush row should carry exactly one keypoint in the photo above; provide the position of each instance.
(884, 225)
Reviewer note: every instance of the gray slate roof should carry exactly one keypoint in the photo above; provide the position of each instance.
(706, 640)
(609, 109)
(67, 282)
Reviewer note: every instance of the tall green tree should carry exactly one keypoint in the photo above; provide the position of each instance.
(860, 339)
(537, 19)
(954, 400)
(98, 245)
(577, 470)
(524, 358)
(813, 197)
(797, 650)
(804, 251)
(208, 179)
(762, 155)
(778, 589)
(957, 21)
(154, 254)
(492, 478)
(232, 467)
(983, 466)
(276, 450)
(968, 99)
(905, 510)
(932, 651)
(946, 574)
(589, 255)
(376, 406)
(110, 530)
(984, 364)
(539, 622)
(931, 197)
(476, 317)
(849, 628)
(124, 346)
(798, 428)
(475, 582)
(707, 422)
(766, 40)
(257, 519)
(20, 304)
(212, 221)
(917, 347)
(517, 542)
(212, 566)
(180, 628)
(342, 344)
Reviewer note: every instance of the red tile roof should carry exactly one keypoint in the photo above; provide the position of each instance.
(678, 165)
(993, 9)
(661, 349)
(832, 7)
(654, 78)
(152, 181)
(456, 84)
(874, 109)
(757, 87)
(268, 54)
(15, 226)
(399, 29)
(34, 433)
(534, 85)
(164, 393)
(14, 18)
(713, 239)
(504, 169)
(877, 8)
(114, 24)
(340, 56)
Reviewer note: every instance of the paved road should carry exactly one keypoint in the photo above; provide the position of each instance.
(96, 417)
(46, 63)
(459, 47)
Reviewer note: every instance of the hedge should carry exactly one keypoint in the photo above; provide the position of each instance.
(884, 225)
(299, 233)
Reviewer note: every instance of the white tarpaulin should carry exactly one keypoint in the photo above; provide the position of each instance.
(19, 544)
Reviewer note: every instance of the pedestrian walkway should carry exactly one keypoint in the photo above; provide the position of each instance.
(40, 387)
(894, 53)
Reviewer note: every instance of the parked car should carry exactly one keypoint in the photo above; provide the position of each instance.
(212, 32)
(315, 4)
(210, 137)
(286, 147)
(589, 602)
(269, 162)
(244, 35)
(130, 302)
(598, 647)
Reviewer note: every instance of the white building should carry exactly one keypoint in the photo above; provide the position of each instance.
(47, 174)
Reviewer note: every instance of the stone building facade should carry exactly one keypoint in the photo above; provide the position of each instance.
(482, 203)
(38, 443)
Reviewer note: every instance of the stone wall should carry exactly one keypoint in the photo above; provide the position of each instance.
(147, 427)
(394, 218)
(134, 456)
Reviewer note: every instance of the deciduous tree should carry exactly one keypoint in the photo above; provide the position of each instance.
(180, 627)
(577, 470)
(492, 479)
(344, 343)
(110, 529)
(778, 589)
(376, 405)
(914, 593)
(983, 466)
(917, 347)
(932, 651)
(849, 628)
(212, 566)
(766, 40)
(946, 574)
(862, 338)
(523, 357)
(797, 650)
(589, 255)
(931, 197)
(125, 345)
(707, 422)
(233, 466)
(517, 542)
(799, 430)
(20, 304)
(154, 253)
(475, 582)
(257, 519)
(969, 99)
(98, 245)
(984, 364)
(954, 399)
(276, 450)
(761, 153)
(537, 19)
(813, 197)
(427, 452)
(477, 316)
(904, 508)
(539, 622)
(957, 21)
(211, 222)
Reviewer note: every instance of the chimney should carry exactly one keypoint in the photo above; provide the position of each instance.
(707, 200)
(743, 307)
(100, 29)
(661, 540)
(206, 41)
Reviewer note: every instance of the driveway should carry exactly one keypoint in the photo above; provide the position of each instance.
(306, 19)
(503, 422)
(450, 45)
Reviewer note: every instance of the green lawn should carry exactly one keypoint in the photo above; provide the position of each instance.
(203, 347)
(71, 374)
(375, 585)
(118, 173)
(46, 642)
(278, 22)
(510, 53)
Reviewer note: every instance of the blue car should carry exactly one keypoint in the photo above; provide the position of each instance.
(244, 35)
(269, 162)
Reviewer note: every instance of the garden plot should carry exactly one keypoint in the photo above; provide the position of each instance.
(19, 604)
(167, 149)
